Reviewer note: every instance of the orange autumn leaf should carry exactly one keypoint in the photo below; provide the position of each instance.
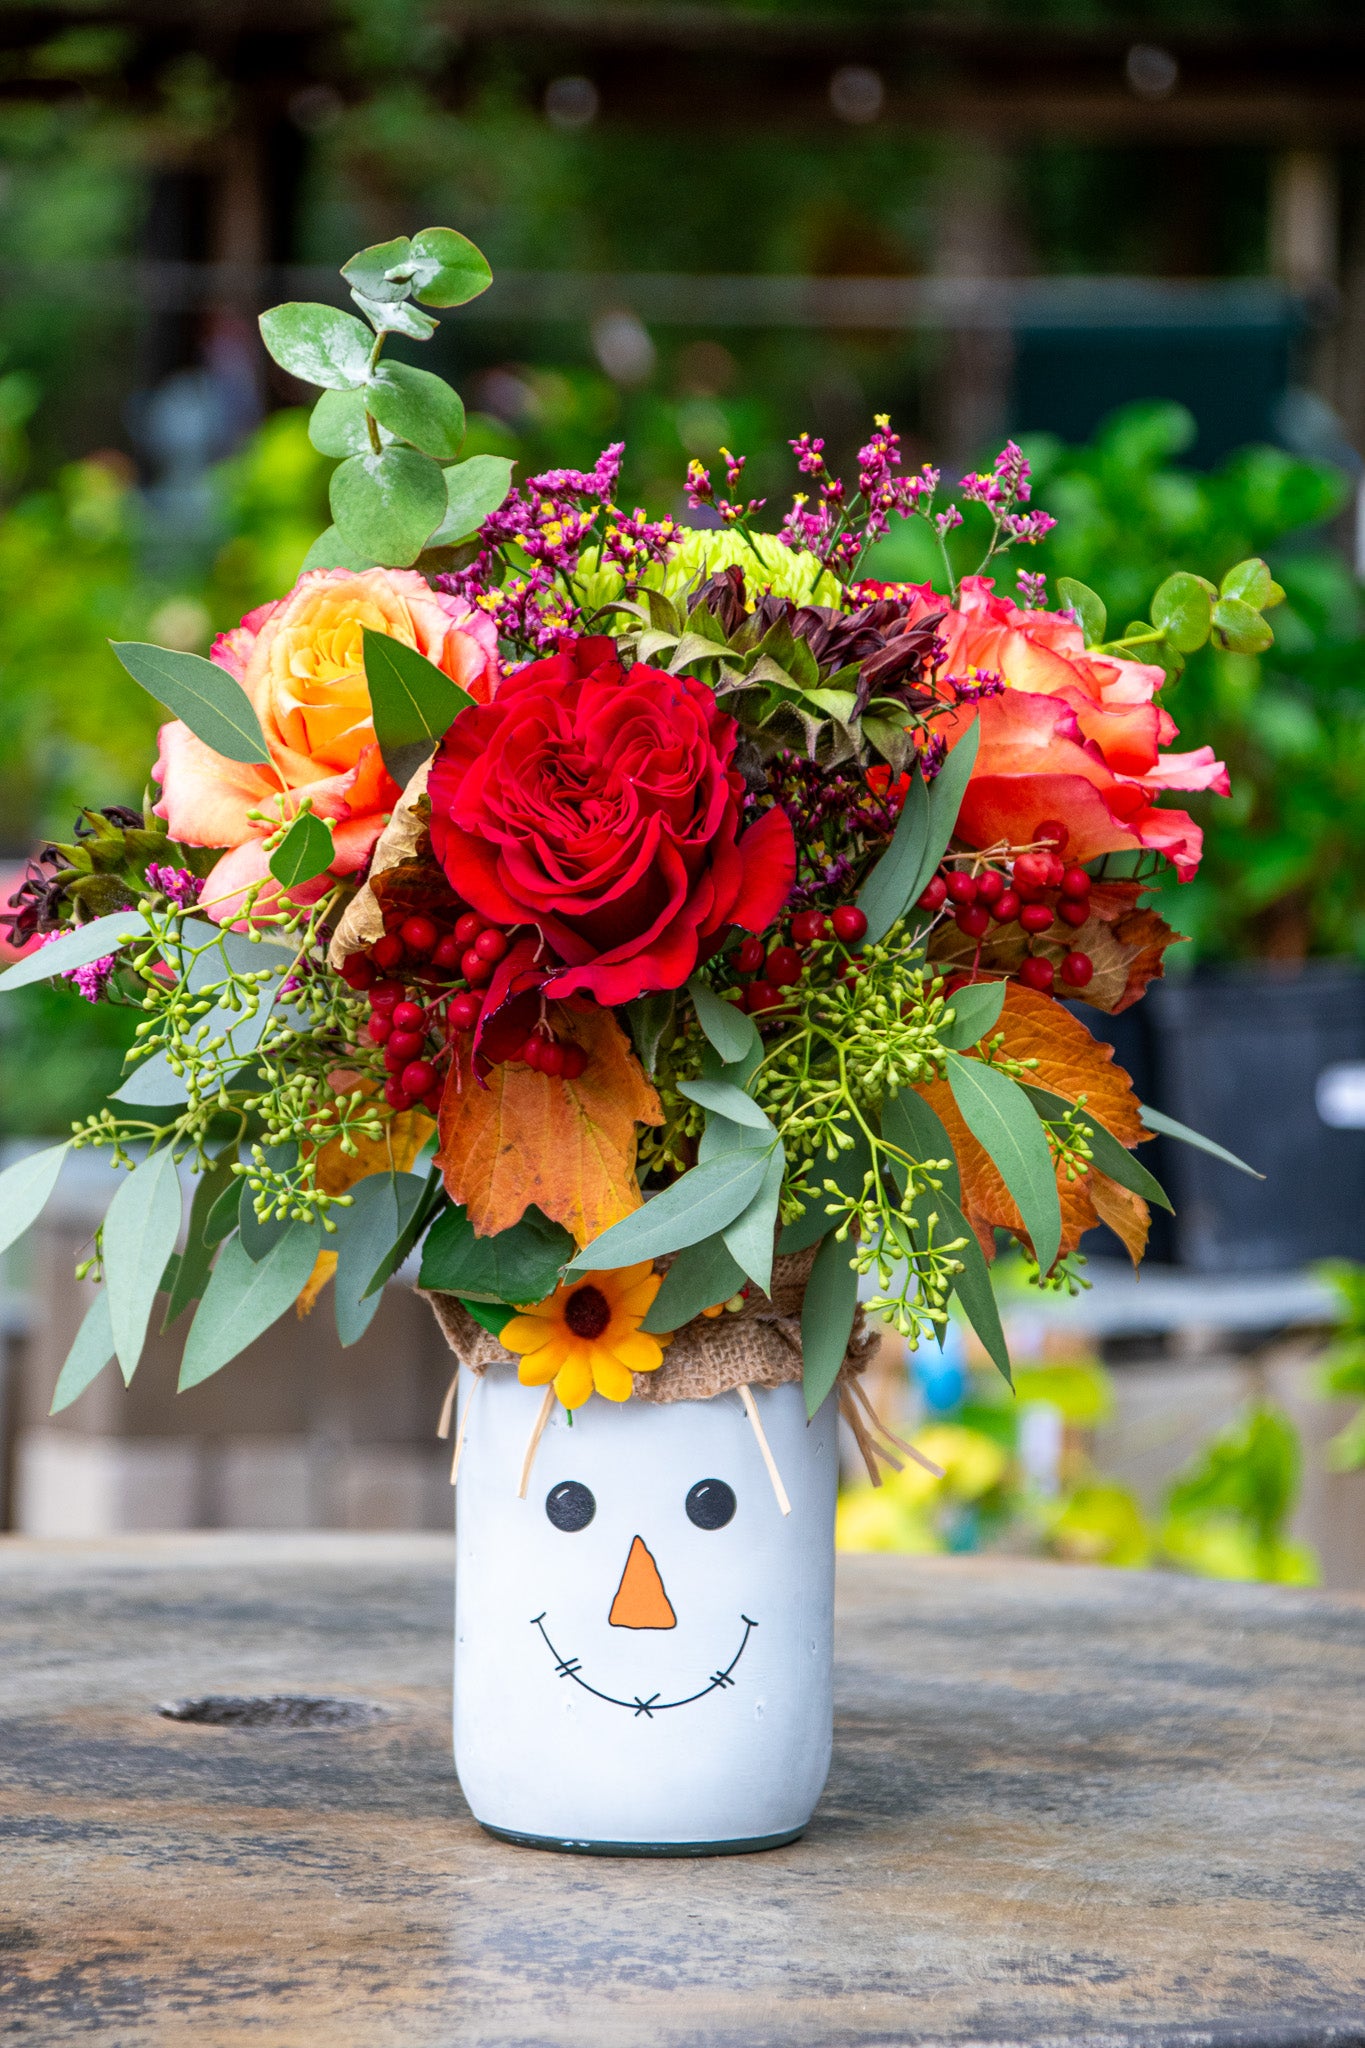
(397, 1145)
(567, 1146)
(1071, 1063)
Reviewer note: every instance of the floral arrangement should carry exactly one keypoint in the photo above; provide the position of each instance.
(605, 904)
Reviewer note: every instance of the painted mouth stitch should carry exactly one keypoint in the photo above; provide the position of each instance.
(569, 1667)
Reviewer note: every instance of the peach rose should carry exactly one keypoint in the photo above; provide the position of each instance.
(1073, 736)
(301, 662)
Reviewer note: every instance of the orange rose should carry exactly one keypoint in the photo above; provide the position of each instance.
(1073, 736)
(301, 662)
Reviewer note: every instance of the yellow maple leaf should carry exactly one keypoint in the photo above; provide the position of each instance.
(567, 1146)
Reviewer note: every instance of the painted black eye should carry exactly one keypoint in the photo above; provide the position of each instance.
(570, 1506)
(711, 1504)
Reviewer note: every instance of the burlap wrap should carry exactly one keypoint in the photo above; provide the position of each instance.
(758, 1346)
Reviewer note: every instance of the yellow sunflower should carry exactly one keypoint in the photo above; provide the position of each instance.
(588, 1335)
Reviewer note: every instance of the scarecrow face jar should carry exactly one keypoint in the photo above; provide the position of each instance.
(643, 1642)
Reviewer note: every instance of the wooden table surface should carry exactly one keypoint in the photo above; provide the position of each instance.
(1067, 1807)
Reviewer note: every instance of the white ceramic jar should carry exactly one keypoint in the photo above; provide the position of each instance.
(643, 1643)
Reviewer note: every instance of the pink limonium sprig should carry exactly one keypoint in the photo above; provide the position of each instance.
(177, 883)
(93, 978)
(702, 492)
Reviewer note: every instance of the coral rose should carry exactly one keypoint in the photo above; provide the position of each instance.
(1073, 736)
(600, 806)
(301, 662)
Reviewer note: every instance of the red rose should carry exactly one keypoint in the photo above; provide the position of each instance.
(599, 805)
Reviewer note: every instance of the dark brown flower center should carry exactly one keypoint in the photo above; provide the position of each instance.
(587, 1311)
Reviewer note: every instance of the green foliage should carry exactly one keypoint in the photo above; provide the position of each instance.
(1228, 1514)
(1342, 1371)
(394, 426)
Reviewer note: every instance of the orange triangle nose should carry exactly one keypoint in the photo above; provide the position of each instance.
(641, 1601)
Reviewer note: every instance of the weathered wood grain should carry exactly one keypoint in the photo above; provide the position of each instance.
(1068, 1809)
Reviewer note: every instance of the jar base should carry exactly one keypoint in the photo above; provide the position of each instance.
(570, 1846)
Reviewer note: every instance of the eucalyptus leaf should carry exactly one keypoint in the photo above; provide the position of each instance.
(728, 1029)
(976, 1010)
(138, 1237)
(972, 1285)
(330, 551)
(1240, 628)
(196, 1260)
(417, 407)
(319, 344)
(243, 1298)
(702, 1201)
(305, 852)
(395, 316)
(1109, 1157)
(1167, 1127)
(1001, 1118)
(474, 488)
(257, 1237)
(447, 269)
(24, 1190)
(724, 1099)
(386, 505)
(1251, 581)
(371, 270)
(946, 792)
(414, 702)
(703, 1276)
(912, 1125)
(366, 1232)
(88, 1356)
(221, 1220)
(848, 1170)
(336, 425)
(76, 948)
(751, 1237)
(1088, 607)
(210, 702)
(650, 1019)
(1182, 609)
(521, 1265)
(827, 1319)
(889, 890)
(413, 1222)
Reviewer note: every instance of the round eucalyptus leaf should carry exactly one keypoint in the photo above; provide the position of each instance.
(320, 344)
(1182, 608)
(337, 426)
(1239, 627)
(447, 269)
(386, 505)
(369, 271)
(417, 407)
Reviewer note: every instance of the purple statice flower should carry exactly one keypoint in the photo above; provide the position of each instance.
(975, 685)
(178, 883)
(598, 482)
(1029, 527)
(1004, 485)
(633, 542)
(1032, 590)
(932, 755)
(92, 979)
(946, 520)
(810, 455)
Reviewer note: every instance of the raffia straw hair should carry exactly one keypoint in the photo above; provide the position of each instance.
(464, 1424)
(448, 1407)
(869, 1451)
(890, 1435)
(546, 1410)
(751, 1410)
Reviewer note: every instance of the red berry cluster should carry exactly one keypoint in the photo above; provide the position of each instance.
(779, 967)
(424, 982)
(1039, 891)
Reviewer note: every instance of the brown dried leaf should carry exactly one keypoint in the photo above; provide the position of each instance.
(567, 1146)
(362, 921)
(1126, 1214)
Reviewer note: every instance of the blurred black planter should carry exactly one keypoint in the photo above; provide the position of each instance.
(1239, 1053)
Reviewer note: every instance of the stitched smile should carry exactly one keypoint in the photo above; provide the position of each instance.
(568, 1667)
